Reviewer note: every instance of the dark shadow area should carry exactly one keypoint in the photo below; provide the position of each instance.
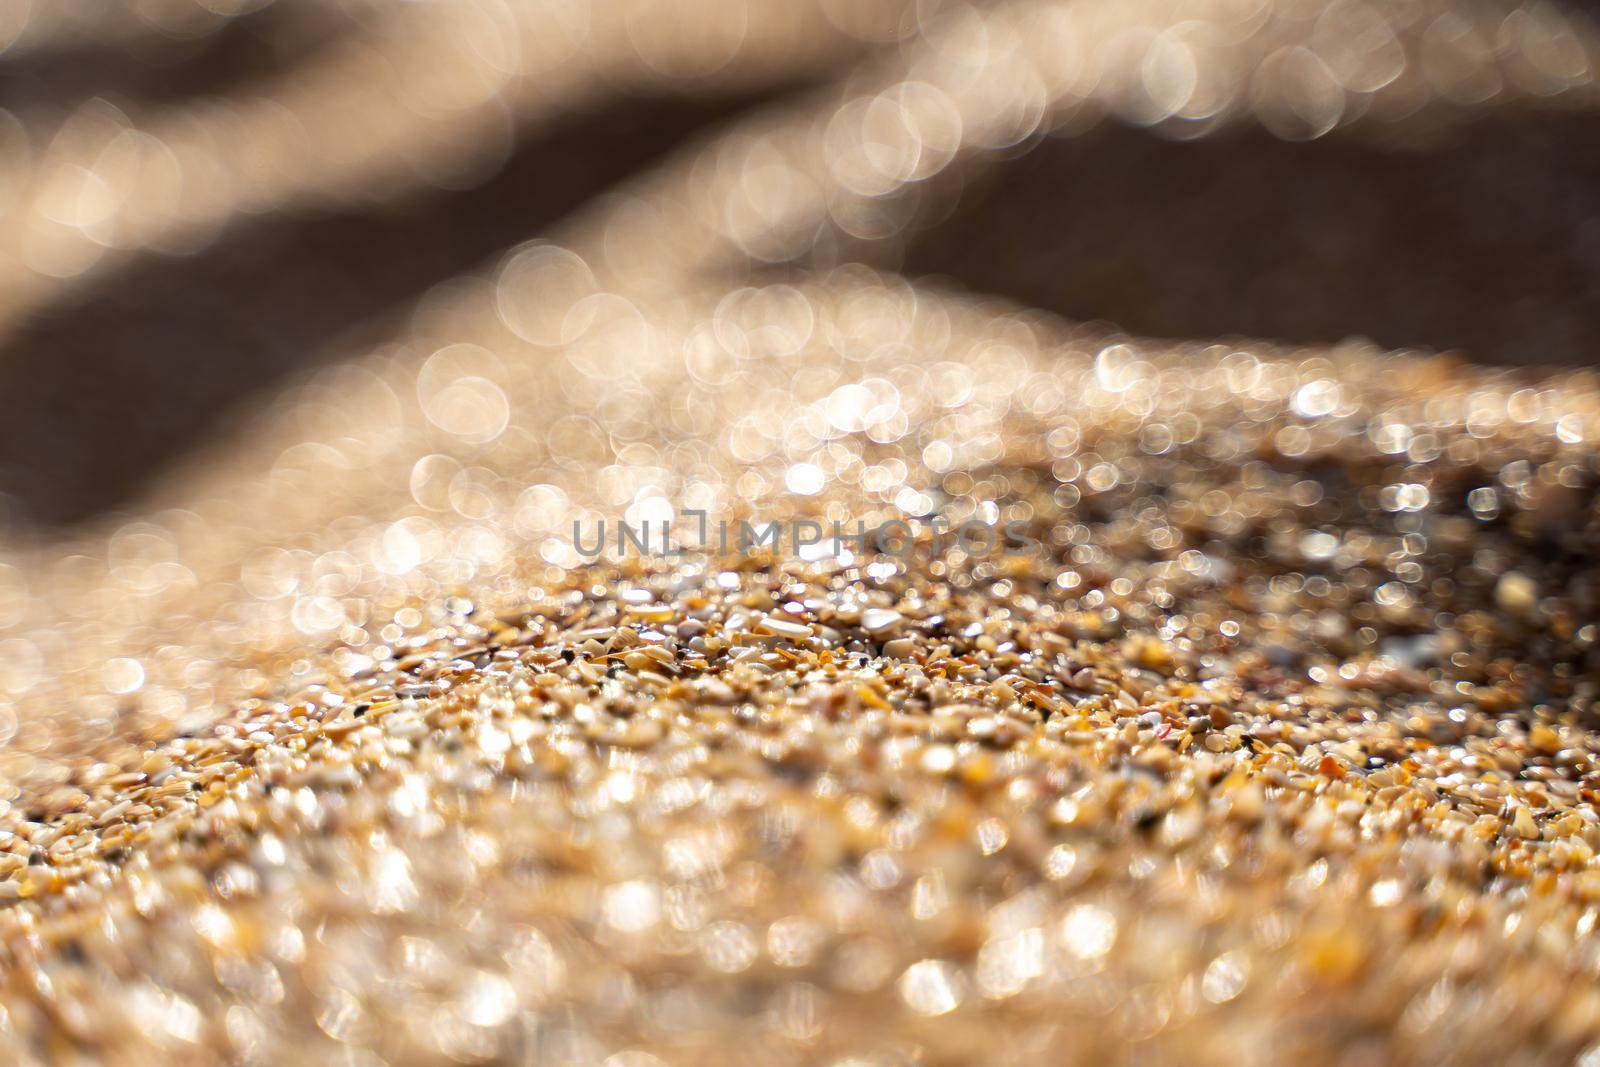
(1487, 242)
(147, 364)
(156, 70)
